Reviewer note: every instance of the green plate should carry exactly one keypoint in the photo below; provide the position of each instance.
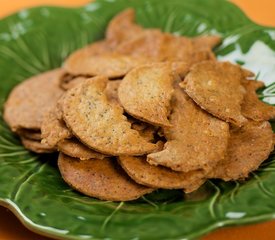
(39, 39)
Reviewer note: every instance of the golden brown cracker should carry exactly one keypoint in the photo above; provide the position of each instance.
(160, 177)
(100, 124)
(54, 129)
(100, 178)
(74, 148)
(92, 50)
(111, 65)
(145, 93)
(252, 107)
(159, 46)
(216, 87)
(206, 41)
(31, 99)
(196, 140)
(36, 146)
(122, 28)
(248, 147)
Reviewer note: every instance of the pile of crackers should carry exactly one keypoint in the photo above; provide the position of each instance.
(143, 110)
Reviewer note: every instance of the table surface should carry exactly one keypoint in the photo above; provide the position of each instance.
(262, 12)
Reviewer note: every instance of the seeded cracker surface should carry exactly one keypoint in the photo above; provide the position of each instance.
(145, 93)
(100, 124)
(213, 86)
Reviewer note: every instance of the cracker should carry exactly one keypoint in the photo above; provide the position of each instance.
(100, 124)
(216, 87)
(252, 107)
(158, 46)
(145, 93)
(160, 177)
(206, 41)
(248, 147)
(100, 178)
(92, 50)
(122, 28)
(196, 140)
(31, 99)
(54, 129)
(36, 146)
(111, 65)
(74, 148)
(30, 134)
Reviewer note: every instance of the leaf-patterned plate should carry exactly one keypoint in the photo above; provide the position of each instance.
(39, 39)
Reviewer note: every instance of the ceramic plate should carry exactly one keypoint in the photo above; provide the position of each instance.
(38, 39)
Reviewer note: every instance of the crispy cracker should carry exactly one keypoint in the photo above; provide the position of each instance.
(248, 147)
(216, 87)
(196, 140)
(31, 99)
(206, 41)
(122, 28)
(54, 129)
(158, 46)
(74, 148)
(111, 65)
(252, 107)
(92, 50)
(100, 124)
(100, 178)
(36, 146)
(145, 93)
(30, 134)
(160, 177)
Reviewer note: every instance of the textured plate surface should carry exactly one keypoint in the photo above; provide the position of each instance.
(39, 39)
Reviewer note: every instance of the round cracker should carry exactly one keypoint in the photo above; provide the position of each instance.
(100, 178)
(74, 148)
(146, 91)
(111, 65)
(160, 177)
(100, 124)
(216, 87)
(248, 147)
(196, 140)
(31, 99)
(36, 146)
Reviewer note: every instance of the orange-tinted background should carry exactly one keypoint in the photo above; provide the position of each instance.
(261, 11)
